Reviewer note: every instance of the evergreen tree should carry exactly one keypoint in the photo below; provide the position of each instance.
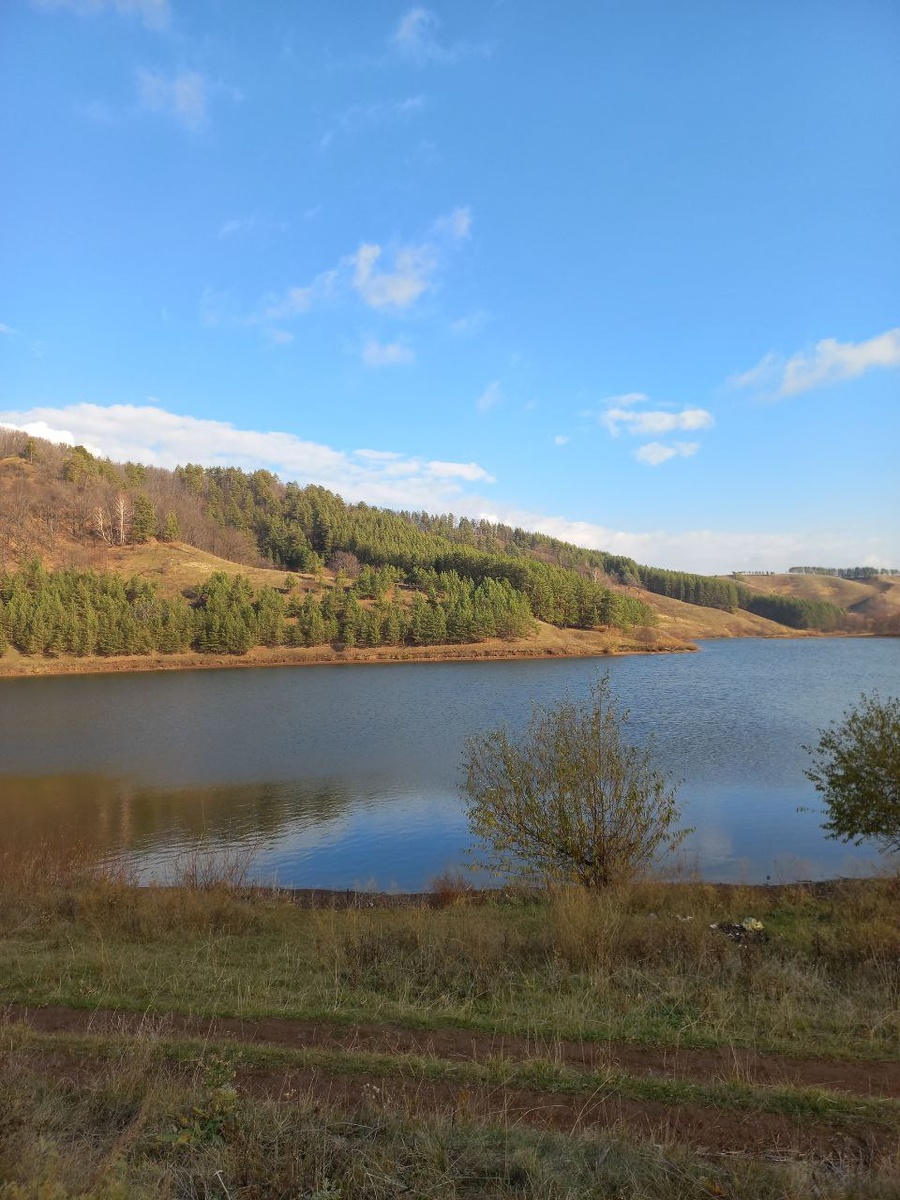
(143, 519)
(170, 530)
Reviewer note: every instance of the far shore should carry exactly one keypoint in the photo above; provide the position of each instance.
(568, 643)
(561, 643)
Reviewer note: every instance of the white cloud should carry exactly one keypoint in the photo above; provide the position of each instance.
(643, 421)
(7, 329)
(397, 288)
(655, 453)
(828, 362)
(708, 551)
(387, 280)
(831, 361)
(184, 96)
(471, 472)
(50, 433)
(561, 439)
(378, 455)
(386, 354)
(280, 337)
(622, 413)
(490, 397)
(150, 434)
(155, 14)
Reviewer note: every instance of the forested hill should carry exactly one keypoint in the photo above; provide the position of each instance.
(399, 578)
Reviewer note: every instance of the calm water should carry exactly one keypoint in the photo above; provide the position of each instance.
(349, 776)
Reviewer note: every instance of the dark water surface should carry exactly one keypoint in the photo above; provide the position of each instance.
(349, 776)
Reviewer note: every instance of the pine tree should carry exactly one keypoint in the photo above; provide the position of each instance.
(171, 531)
(143, 519)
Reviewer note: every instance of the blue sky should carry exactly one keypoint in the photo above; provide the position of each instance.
(626, 271)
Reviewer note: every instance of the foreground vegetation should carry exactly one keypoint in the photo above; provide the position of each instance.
(534, 1044)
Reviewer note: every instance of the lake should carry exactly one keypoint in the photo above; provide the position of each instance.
(349, 776)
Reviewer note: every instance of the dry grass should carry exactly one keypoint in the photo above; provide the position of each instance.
(638, 963)
(128, 1114)
(137, 1126)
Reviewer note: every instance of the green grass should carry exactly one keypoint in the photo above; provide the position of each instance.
(625, 966)
(104, 1116)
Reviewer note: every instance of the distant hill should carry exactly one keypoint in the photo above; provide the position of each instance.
(115, 559)
(872, 605)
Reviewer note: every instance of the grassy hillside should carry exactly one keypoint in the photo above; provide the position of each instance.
(873, 605)
(99, 559)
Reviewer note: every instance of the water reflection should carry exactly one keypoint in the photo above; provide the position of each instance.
(336, 777)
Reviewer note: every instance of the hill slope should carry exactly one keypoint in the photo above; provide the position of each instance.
(113, 561)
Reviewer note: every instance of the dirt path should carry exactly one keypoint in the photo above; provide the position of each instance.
(856, 1077)
(707, 1130)
(367, 1098)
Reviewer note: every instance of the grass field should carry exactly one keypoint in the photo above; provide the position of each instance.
(211, 1040)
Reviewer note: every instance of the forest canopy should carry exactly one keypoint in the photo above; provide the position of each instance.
(399, 578)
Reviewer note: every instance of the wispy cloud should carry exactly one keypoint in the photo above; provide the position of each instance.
(6, 329)
(470, 324)
(184, 96)
(238, 227)
(295, 301)
(360, 117)
(150, 434)
(97, 111)
(387, 279)
(625, 399)
(655, 453)
(561, 439)
(826, 363)
(155, 14)
(417, 38)
(386, 354)
(456, 224)
(490, 397)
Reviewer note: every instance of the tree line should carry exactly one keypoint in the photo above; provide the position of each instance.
(861, 573)
(80, 613)
(255, 519)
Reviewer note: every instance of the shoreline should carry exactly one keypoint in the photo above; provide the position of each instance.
(570, 643)
(452, 892)
(25, 667)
